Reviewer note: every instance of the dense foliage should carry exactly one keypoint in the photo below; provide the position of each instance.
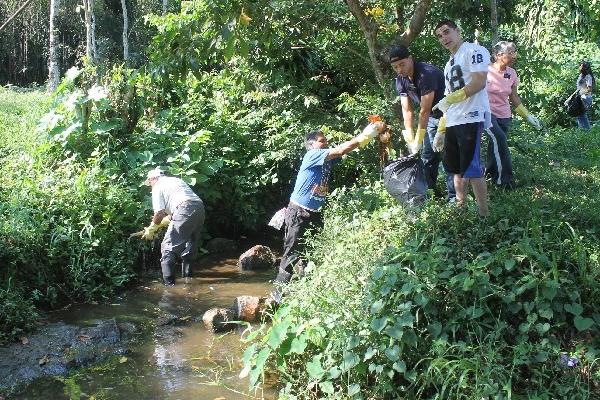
(58, 221)
(438, 303)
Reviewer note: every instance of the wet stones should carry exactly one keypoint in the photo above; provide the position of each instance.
(218, 319)
(57, 348)
(245, 308)
(257, 257)
(166, 319)
(250, 308)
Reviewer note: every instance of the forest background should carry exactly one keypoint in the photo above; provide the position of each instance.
(221, 94)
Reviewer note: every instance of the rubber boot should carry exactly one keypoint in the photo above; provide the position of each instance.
(186, 269)
(168, 281)
(167, 272)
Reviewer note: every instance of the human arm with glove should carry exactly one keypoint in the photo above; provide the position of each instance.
(151, 230)
(478, 82)
(370, 132)
(424, 114)
(440, 136)
(520, 109)
(407, 118)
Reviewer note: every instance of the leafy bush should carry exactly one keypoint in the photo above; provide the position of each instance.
(437, 303)
(58, 227)
(17, 312)
(63, 224)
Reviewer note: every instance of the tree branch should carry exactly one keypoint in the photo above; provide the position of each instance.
(416, 23)
(370, 30)
(15, 14)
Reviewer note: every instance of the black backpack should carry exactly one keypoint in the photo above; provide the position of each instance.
(574, 105)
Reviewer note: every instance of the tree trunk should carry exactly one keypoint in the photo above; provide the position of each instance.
(376, 49)
(165, 6)
(94, 48)
(53, 61)
(125, 31)
(90, 26)
(88, 29)
(494, 21)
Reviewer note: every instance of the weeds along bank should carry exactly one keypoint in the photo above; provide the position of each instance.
(439, 304)
(58, 220)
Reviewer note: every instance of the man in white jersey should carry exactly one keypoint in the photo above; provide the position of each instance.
(466, 113)
(173, 197)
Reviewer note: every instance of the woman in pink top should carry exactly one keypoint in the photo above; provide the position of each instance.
(502, 82)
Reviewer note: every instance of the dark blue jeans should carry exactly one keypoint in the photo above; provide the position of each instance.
(583, 120)
(498, 165)
(431, 160)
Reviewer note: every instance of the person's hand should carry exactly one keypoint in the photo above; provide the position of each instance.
(164, 222)
(150, 231)
(527, 116)
(370, 131)
(456, 96)
(442, 105)
(417, 143)
(408, 135)
(440, 136)
(451, 98)
(438, 142)
(533, 121)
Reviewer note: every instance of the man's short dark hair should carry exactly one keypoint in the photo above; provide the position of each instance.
(447, 22)
(311, 137)
(398, 52)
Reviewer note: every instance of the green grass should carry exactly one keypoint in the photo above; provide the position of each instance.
(20, 112)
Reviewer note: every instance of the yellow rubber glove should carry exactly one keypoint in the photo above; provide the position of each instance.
(457, 96)
(150, 231)
(371, 131)
(527, 116)
(165, 222)
(408, 135)
(416, 144)
(440, 136)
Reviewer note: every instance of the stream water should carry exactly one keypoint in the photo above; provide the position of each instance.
(182, 362)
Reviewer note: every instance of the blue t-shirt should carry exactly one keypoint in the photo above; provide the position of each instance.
(427, 78)
(312, 182)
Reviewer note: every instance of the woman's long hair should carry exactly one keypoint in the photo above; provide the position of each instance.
(585, 68)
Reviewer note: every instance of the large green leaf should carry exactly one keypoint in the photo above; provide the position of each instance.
(582, 323)
(314, 368)
(299, 344)
(575, 309)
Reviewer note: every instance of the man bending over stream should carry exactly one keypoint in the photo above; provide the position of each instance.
(173, 198)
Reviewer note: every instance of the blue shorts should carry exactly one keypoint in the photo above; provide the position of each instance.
(462, 148)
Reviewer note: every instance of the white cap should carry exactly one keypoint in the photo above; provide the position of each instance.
(154, 173)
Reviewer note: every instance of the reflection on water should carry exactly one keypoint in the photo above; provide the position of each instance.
(176, 361)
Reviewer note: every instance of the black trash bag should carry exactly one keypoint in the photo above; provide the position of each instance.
(404, 180)
(574, 105)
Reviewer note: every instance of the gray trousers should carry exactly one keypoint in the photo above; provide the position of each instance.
(181, 238)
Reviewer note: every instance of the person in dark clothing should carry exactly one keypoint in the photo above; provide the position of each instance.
(420, 84)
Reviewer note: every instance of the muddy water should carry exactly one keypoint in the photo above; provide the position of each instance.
(172, 362)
